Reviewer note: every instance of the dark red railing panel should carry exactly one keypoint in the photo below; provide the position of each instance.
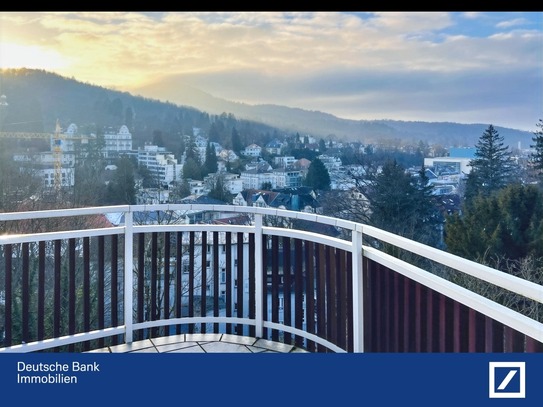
(179, 279)
(41, 291)
(320, 267)
(203, 282)
(166, 289)
(298, 290)
(141, 280)
(252, 282)
(287, 309)
(331, 295)
(240, 288)
(457, 327)
(265, 290)
(8, 294)
(115, 285)
(25, 294)
(533, 345)
(401, 315)
(275, 285)
(349, 303)
(310, 295)
(229, 280)
(86, 289)
(341, 335)
(215, 279)
(394, 343)
(493, 336)
(71, 289)
(56, 290)
(191, 278)
(101, 287)
(154, 310)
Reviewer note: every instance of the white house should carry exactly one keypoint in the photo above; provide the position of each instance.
(252, 150)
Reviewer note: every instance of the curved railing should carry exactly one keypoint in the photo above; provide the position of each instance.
(65, 287)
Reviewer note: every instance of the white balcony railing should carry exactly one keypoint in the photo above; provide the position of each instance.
(118, 283)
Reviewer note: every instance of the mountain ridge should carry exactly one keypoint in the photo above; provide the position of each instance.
(44, 96)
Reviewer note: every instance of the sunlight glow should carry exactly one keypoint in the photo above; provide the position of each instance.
(25, 56)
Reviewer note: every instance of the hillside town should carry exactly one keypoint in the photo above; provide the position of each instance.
(265, 175)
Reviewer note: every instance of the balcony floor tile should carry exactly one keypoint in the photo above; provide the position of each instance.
(203, 343)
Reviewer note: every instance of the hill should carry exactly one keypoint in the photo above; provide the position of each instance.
(37, 98)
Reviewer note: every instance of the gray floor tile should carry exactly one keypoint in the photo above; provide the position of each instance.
(275, 346)
(175, 346)
(203, 337)
(146, 343)
(165, 340)
(190, 349)
(224, 347)
(242, 340)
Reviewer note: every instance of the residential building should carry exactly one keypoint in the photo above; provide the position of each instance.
(161, 163)
(275, 146)
(252, 150)
(117, 143)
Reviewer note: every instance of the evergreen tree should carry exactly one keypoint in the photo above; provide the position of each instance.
(237, 145)
(122, 190)
(191, 151)
(537, 156)
(157, 138)
(210, 165)
(318, 177)
(322, 146)
(394, 200)
(219, 191)
(507, 224)
(490, 169)
(191, 169)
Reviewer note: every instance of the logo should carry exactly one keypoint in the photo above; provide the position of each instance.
(507, 380)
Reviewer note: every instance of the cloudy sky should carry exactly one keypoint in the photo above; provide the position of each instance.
(463, 67)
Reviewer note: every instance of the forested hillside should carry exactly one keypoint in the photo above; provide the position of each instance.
(36, 99)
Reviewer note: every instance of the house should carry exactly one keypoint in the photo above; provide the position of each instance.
(275, 147)
(252, 150)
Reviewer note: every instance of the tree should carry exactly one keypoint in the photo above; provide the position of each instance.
(219, 191)
(237, 145)
(191, 151)
(157, 138)
(122, 190)
(191, 169)
(537, 156)
(210, 165)
(317, 176)
(507, 224)
(401, 204)
(491, 168)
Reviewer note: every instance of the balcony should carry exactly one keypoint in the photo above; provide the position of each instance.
(81, 280)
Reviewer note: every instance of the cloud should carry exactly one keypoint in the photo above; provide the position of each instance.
(267, 57)
(511, 23)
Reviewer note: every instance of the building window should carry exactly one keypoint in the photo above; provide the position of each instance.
(223, 277)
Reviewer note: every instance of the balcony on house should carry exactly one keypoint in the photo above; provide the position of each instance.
(86, 279)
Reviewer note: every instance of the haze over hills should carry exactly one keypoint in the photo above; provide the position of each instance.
(324, 124)
(37, 98)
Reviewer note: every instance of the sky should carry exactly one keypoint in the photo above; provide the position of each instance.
(472, 67)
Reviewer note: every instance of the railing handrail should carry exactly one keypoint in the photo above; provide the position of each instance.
(507, 281)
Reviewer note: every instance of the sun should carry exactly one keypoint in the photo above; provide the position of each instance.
(30, 56)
